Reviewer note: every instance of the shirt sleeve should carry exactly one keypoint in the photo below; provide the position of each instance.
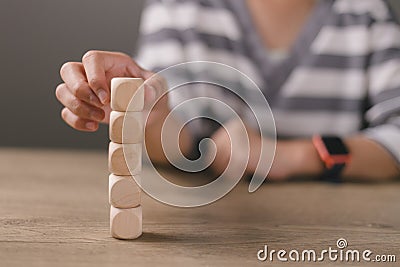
(172, 32)
(383, 113)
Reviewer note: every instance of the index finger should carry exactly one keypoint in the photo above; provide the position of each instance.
(73, 74)
(93, 63)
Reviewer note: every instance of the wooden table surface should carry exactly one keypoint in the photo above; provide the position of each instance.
(54, 212)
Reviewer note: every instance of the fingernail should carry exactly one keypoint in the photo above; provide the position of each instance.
(94, 100)
(90, 125)
(102, 94)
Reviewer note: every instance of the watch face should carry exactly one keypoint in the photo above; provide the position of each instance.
(335, 146)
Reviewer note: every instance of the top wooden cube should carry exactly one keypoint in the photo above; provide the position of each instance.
(125, 90)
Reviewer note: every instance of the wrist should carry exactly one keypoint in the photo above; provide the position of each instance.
(305, 160)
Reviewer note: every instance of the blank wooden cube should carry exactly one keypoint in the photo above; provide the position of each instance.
(126, 223)
(124, 192)
(132, 123)
(117, 160)
(123, 90)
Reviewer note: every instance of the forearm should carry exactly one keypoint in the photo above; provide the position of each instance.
(369, 161)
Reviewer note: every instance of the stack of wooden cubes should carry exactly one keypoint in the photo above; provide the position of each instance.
(125, 146)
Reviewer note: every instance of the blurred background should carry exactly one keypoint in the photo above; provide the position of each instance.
(37, 37)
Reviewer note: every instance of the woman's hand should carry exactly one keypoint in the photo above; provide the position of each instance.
(85, 92)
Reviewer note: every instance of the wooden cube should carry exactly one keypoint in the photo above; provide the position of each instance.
(124, 192)
(133, 124)
(126, 223)
(125, 90)
(117, 161)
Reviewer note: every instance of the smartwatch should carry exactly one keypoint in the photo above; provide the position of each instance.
(334, 154)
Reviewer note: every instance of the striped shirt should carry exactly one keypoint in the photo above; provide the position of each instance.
(341, 77)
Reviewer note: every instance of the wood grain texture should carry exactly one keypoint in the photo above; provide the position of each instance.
(54, 211)
(132, 122)
(120, 155)
(124, 91)
(123, 191)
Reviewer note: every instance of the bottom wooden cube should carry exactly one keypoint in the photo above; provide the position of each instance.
(126, 223)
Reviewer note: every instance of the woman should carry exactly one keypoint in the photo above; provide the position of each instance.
(328, 68)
